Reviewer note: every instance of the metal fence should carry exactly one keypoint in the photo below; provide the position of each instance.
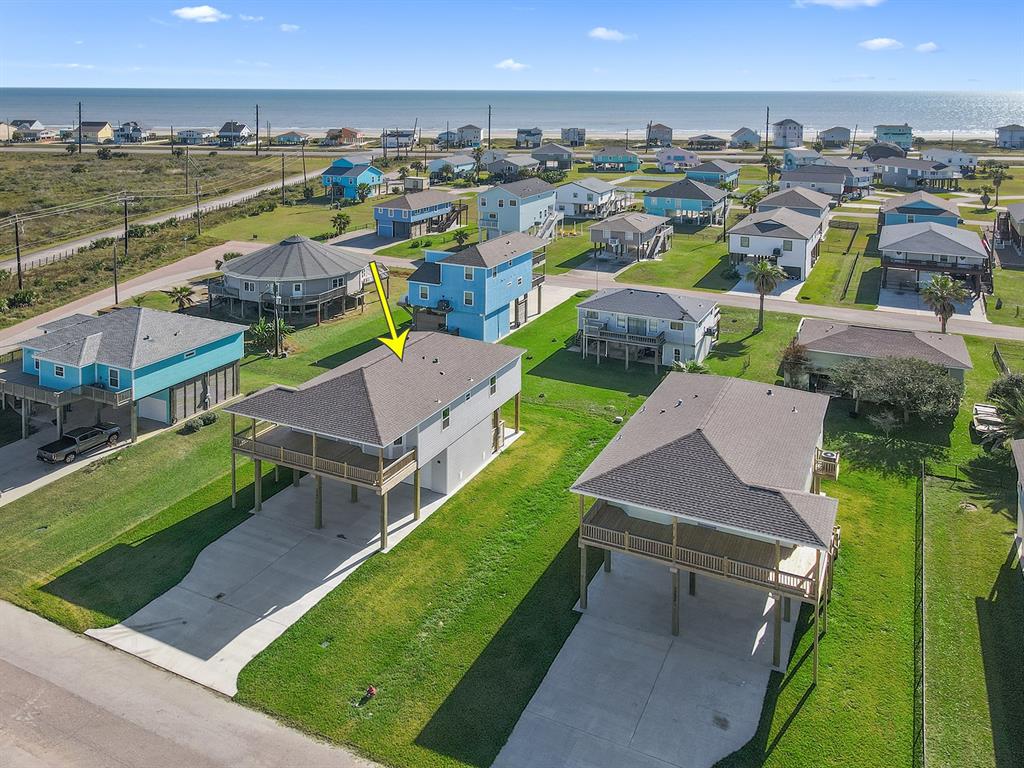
(920, 757)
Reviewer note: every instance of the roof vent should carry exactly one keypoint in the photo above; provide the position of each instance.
(661, 411)
(794, 409)
(442, 373)
(434, 361)
(769, 393)
(679, 402)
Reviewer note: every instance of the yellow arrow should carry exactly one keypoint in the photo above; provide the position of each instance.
(396, 341)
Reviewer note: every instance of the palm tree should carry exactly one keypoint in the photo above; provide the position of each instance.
(766, 277)
(690, 366)
(986, 190)
(772, 165)
(461, 236)
(341, 222)
(403, 172)
(941, 296)
(998, 176)
(183, 296)
(417, 166)
(261, 333)
(363, 191)
(138, 299)
(752, 199)
(478, 155)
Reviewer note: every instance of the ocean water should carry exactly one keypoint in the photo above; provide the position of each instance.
(967, 113)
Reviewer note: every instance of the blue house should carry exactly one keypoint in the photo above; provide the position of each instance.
(480, 292)
(688, 201)
(916, 207)
(615, 159)
(418, 213)
(715, 172)
(162, 366)
(519, 206)
(344, 177)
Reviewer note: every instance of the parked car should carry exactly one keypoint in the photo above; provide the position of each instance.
(78, 441)
(985, 420)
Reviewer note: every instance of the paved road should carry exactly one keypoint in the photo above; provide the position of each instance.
(66, 700)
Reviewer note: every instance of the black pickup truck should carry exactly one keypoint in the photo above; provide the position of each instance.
(78, 441)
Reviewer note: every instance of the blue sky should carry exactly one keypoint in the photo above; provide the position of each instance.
(590, 45)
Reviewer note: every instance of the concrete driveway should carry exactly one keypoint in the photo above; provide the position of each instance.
(624, 693)
(910, 302)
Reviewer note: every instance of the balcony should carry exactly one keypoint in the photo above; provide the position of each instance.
(934, 265)
(605, 334)
(537, 280)
(26, 386)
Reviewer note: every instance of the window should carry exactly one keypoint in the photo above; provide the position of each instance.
(446, 418)
(787, 245)
(676, 325)
(501, 203)
(190, 353)
(467, 273)
(494, 271)
(483, 203)
(58, 371)
(296, 289)
(676, 354)
(519, 280)
(494, 384)
(467, 298)
(492, 216)
(398, 441)
(114, 378)
(468, 395)
(35, 364)
(591, 314)
(513, 203)
(338, 282)
(424, 293)
(744, 241)
(249, 286)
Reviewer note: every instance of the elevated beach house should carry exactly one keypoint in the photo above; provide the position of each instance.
(304, 279)
(796, 157)
(338, 136)
(918, 206)
(910, 173)
(615, 159)
(743, 138)
(292, 138)
(900, 135)
(233, 134)
(419, 213)
(519, 206)
(1010, 136)
(965, 162)
(827, 179)
(913, 253)
(670, 159)
(687, 485)
(651, 327)
(458, 166)
(715, 172)
(659, 135)
(574, 137)
(135, 362)
(829, 343)
(399, 138)
(782, 236)
(345, 176)
(195, 136)
(529, 138)
(860, 173)
(480, 292)
(834, 137)
(688, 202)
(131, 133)
(591, 198)
(801, 200)
(787, 133)
(553, 155)
(631, 236)
(95, 132)
(468, 136)
(512, 167)
(447, 139)
(706, 142)
(430, 420)
(1009, 227)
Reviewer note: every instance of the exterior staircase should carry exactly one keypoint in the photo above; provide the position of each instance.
(546, 229)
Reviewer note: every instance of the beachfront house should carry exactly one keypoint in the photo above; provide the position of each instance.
(744, 138)
(615, 159)
(338, 136)
(631, 236)
(418, 213)
(131, 133)
(513, 167)
(782, 236)
(672, 159)
(796, 157)
(965, 162)
(529, 138)
(687, 485)
(304, 279)
(574, 137)
(591, 198)
(688, 202)
(651, 327)
(829, 180)
(344, 178)
(95, 132)
(378, 432)
(801, 200)
(553, 155)
(194, 136)
(479, 292)
(706, 142)
(910, 173)
(834, 137)
(490, 155)
(916, 207)
(659, 135)
(22, 124)
(716, 173)
(900, 135)
(913, 253)
(447, 139)
(787, 133)
(468, 136)
(233, 134)
(293, 138)
(882, 151)
(455, 166)
(830, 343)
(128, 364)
(6, 131)
(399, 138)
(527, 205)
(1010, 136)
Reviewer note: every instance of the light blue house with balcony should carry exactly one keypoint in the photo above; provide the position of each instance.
(418, 213)
(688, 201)
(916, 207)
(715, 173)
(161, 366)
(615, 159)
(480, 292)
(519, 206)
(900, 135)
(344, 176)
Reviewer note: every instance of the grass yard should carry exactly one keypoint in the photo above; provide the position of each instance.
(309, 219)
(1009, 288)
(693, 261)
(569, 252)
(442, 241)
(975, 704)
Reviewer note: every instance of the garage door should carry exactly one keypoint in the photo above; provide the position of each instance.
(154, 408)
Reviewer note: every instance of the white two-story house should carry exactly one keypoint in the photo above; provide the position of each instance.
(591, 198)
(782, 236)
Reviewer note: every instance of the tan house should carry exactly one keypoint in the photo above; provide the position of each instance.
(95, 133)
(631, 236)
(6, 132)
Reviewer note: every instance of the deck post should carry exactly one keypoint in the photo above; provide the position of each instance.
(625, 352)
(416, 494)
(607, 561)
(25, 408)
(817, 608)
(583, 576)
(693, 583)
(675, 601)
(518, 408)
(318, 502)
(134, 410)
(257, 485)
(355, 493)
(777, 635)
(383, 521)
(786, 608)
(60, 420)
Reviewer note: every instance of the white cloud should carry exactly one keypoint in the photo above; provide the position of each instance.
(609, 35)
(75, 65)
(248, 63)
(201, 14)
(289, 27)
(880, 44)
(79, 42)
(928, 47)
(840, 5)
(243, 17)
(510, 64)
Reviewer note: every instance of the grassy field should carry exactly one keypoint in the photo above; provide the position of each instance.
(975, 705)
(309, 219)
(846, 254)
(1008, 286)
(693, 261)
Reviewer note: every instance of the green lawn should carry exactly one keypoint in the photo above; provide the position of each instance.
(1009, 287)
(693, 261)
(975, 701)
(413, 249)
(309, 219)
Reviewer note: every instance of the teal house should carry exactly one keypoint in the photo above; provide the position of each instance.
(615, 159)
(344, 176)
(161, 366)
(480, 292)
(919, 206)
(715, 172)
(688, 201)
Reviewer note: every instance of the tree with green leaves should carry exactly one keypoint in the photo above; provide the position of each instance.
(753, 198)
(477, 154)
(262, 335)
(403, 172)
(1007, 394)
(942, 295)
(447, 171)
(998, 175)
(461, 236)
(341, 222)
(986, 190)
(183, 296)
(70, 148)
(363, 191)
(795, 362)
(417, 166)
(818, 146)
(907, 384)
(766, 278)
(690, 366)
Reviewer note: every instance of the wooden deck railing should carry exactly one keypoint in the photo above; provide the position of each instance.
(629, 338)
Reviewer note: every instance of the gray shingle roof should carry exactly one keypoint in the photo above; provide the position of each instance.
(129, 338)
(930, 238)
(523, 161)
(787, 121)
(526, 187)
(945, 349)
(427, 272)
(883, 149)
(779, 222)
(908, 201)
(497, 250)
(659, 304)
(594, 185)
(715, 166)
(693, 450)
(796, 197)
(414, 201)
(1016, 211)
(296, 257)
(632, 222)
(377, 398)
(551, 149)
(232, 127)
(820, 173)
(689, 190)
(912, 163)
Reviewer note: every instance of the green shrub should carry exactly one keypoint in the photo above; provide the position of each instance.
(192, 426)
(208, 418)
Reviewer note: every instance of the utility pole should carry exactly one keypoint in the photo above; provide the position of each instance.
(172, 137)
(489, 126)
(384, 143)
(853, 143)
(257, 130)
(113, 249)
(447, 130)
(199, 226)
(767, 160)
(302, 149)
(126, 228)
(79, 127)
(186, 170)
(282, 178)
(17, 250)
